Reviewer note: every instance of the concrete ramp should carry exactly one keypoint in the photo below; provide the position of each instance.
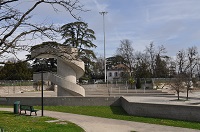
(69, 68)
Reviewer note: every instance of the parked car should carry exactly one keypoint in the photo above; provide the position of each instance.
(98, 81)
(85, 81)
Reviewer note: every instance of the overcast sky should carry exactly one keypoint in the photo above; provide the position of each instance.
(172, 23)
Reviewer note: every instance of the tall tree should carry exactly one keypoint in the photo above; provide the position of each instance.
(115, 60)
(18, 25)
(181, 61)
(161, 69)
(126, 51)
(16, 71)
(187, 61)
(172, 68)
(142, 67)
(192, 56)
(78, 35)
(152, 52)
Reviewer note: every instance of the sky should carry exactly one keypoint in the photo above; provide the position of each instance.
(175, 24)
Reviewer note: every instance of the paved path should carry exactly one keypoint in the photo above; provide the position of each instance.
(97, 124)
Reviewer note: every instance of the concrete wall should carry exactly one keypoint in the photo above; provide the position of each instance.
(66, 71)
(63, 101)
(179, 112)
(16, 89)
(103, 85)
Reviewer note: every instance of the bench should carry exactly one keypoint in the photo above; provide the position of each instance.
(27, 108)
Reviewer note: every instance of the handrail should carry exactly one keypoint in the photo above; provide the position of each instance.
(68, 82)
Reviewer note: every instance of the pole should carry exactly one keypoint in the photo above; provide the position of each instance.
(144, 85)
(42, 93)
(103, 13)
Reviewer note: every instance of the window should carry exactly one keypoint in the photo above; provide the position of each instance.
(110, 74)
(122, 74)
(116, 74)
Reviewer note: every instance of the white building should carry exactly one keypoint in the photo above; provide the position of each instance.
(116, 73)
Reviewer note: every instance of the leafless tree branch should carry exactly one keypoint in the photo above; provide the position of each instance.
(16, 26)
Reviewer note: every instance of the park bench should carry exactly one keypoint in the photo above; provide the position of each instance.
(27, 108)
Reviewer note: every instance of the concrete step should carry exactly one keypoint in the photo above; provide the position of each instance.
(124, 91)
(136, 94)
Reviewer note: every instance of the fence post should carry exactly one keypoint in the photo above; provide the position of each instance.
(135, 89)
(144, 85)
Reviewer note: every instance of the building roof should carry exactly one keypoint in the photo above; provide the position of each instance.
(119, 67)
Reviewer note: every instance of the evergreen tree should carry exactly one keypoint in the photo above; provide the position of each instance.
(78, 35)
(161, 70)
(16, 71)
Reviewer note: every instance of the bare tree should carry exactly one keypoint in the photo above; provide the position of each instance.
(152, 54)
(17, 26)
(172, 67)
(177, 84)
(198, 66)
(192, 56)
(126, 51)
(181, 61)
(142, 65)
(188, 84)
(187, 62)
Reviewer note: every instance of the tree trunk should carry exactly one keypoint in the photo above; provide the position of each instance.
(178, 94)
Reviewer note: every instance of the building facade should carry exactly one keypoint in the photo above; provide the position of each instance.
(117, 73)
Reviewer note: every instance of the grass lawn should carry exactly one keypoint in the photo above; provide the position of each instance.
(10, 122)
(119, 113)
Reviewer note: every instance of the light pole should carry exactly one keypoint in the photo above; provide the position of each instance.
(42, 85)
(42, 92)
(103, 13)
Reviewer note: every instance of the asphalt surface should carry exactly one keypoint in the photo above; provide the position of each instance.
(97, 124)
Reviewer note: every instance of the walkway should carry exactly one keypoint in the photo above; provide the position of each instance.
(97, 124)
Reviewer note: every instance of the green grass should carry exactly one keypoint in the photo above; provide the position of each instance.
(21, 123)
(119, 113)
(115, 113)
